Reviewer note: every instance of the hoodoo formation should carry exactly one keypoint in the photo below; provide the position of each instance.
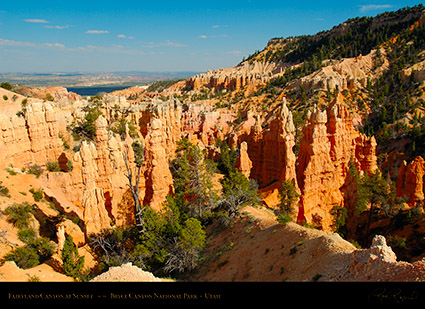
(304, 162)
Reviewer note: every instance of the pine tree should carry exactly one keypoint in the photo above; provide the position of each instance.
(288, 196)
(373, 190)
(184, 252)
(73, 263)
(192, 176)
(238, 191)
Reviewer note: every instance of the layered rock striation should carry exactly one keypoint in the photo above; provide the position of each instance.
(349, 73)
(96, 189)
(410, 182)
(56, 94)
(32, 138)
(271, 149)
(329, 143)
(229, 79)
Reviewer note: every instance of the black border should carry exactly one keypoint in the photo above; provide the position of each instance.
(212, 293)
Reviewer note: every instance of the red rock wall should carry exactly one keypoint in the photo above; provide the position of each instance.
(329, 143)
(410, 181)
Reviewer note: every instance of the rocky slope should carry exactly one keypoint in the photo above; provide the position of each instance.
(257, 248)
(57, 94)
(229, 79)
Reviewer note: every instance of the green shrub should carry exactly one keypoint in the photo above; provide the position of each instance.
(35, 252)
(11, 171)
(27, 235)
(44, 247)
(53, 166)
(3, 190)
(25, 257)
(284, 218)
(49, 97)
(19, 214)
(87, 130)
(37, 194)
(36, 170)
(293, 250)
(6, 86)
(120, 127)
(69, 166)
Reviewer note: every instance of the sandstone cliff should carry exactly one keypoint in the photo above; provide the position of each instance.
(244, 74)
(349, 73)
(410, 181)
(95, 190)
(56, 94)
(243, 162)
(32, 138)
(270, 150)
(329, 143)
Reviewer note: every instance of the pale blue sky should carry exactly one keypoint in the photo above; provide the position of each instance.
(103, 36)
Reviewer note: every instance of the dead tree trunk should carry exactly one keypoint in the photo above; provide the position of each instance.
(131, 174)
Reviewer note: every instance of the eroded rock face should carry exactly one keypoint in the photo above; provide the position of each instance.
(270, 150)
(57, 94)
(243, 162)
(33, 139)
(416, 72)
(329, 143)
(95, 190)
(159, 181)
(350, 73)
(245, 74)
(316, 176)
(410, 181)
(375, 262)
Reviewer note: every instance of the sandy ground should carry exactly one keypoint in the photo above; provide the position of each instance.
(257, 248)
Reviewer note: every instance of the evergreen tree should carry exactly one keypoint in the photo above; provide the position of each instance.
(185, 250)
(192, 177)
(288, 196)
(151, 243)
(238, 191)
(73, 263)
(373, 190)
(228, 156)
(87, 129)
(339, 214)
